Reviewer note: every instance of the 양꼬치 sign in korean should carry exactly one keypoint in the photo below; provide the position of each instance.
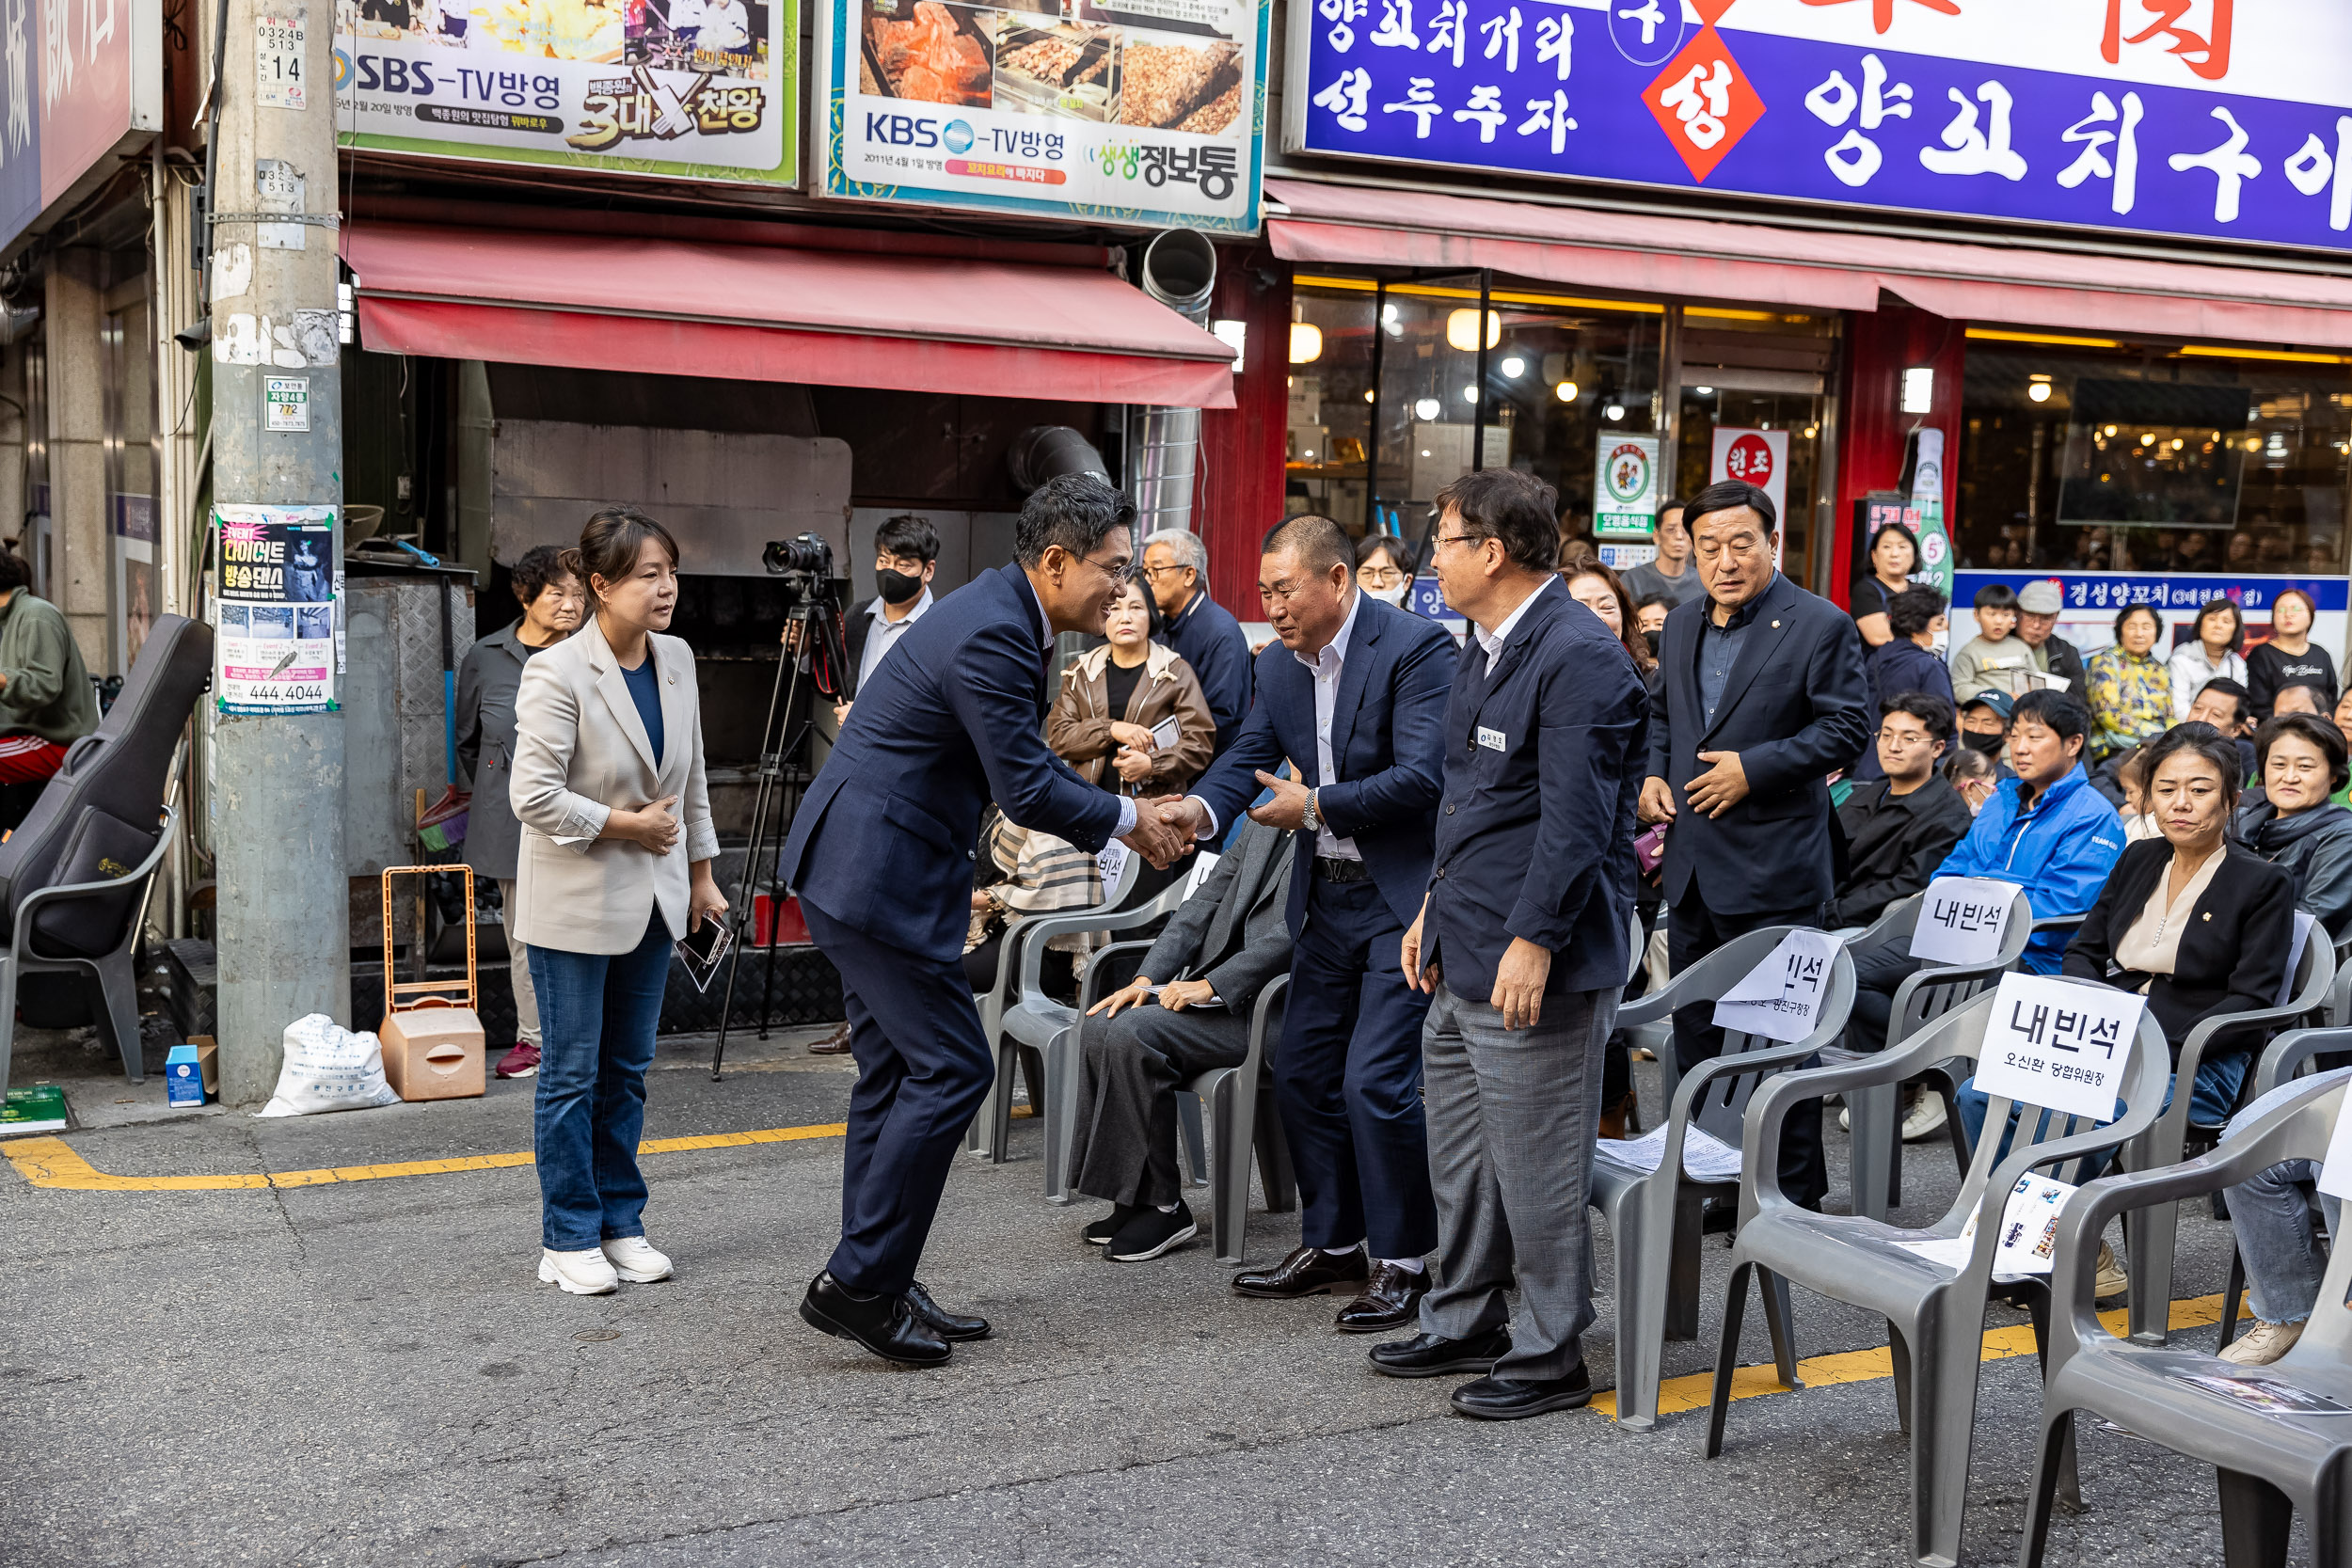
(2200, 118)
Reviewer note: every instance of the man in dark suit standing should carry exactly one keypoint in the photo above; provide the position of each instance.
(1763, 698)
(1356, 696)
(1523, 944)
(880, 854)
(1186, 1012)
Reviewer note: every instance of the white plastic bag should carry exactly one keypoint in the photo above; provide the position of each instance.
(328, 1067)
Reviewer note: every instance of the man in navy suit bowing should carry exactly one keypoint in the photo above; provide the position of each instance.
(1764, 697)
(1523, 943)
(880, 854)
(1355, 697)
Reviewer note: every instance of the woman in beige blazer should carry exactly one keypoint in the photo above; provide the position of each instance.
(615, 868)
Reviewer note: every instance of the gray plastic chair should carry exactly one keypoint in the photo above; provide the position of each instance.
(115, 974)
(2283, 1060)
(2340, 994)
(1935, 1319)
(2270, 1468)
(1020, 960)
(1654, 1216)
(1876, 1112)
(2148, 1262)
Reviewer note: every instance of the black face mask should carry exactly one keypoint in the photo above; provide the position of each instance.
(1988, 744)
(897, 587)
(1651, 638)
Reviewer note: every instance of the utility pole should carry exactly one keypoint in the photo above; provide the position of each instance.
(284, 907)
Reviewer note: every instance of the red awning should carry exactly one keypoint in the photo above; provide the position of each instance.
(1759, 263)
(752, 312)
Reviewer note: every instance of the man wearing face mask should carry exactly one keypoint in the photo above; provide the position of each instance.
(1984, 723)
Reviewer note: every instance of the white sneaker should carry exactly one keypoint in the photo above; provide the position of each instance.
(2112, 1281)
(2262, 1344)
(1845, 1119)
(1923, 1116)
(582, 1274)
(635, 1260)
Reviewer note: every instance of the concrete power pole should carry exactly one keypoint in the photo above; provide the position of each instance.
(283, 911)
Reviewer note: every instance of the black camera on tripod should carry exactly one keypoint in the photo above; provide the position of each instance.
(804, 560)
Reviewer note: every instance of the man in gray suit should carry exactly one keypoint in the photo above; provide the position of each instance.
(1219, 951)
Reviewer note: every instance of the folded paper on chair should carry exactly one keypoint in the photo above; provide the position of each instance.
(1705, 1156)
(2055, 1044)
(1962, 921)
(1780, 999)
(2029, 1232)
(2269, 1395)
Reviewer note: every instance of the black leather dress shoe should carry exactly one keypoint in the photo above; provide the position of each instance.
(1391, 1299)
(947, 1325)
(879, 1322)
(1308, 1272)
(1507, 1399)
(1434, 1354)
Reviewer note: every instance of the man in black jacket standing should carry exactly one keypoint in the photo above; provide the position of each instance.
(1522, 941)
(1898, 828)
(1762, 698)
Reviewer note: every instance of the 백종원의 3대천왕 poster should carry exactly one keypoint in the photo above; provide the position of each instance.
(681, 89)
(273, 614)
(1146, 110)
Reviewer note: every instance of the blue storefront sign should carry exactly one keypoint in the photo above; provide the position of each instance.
(2200, 118)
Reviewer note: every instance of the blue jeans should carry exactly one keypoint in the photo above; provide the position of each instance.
(596, 1017)
(2211, 1097)
(2284, 1262)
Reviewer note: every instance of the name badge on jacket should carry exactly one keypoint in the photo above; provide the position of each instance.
(1491, 740)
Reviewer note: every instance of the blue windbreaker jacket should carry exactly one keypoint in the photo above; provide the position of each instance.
(2059, 851)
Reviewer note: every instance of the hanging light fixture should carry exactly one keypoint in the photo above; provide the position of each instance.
(1566, 391)
(1461, 331)
(1306, 342)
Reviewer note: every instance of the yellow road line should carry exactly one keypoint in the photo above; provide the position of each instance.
(52, 1163)
(1677, 1395)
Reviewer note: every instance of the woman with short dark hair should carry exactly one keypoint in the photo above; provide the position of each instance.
(2130, 690)
(615, 870)
(2289, 819)
(2210, 655)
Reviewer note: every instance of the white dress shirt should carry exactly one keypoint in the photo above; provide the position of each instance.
(884, 633)
(1328, 666)
(1493, 640)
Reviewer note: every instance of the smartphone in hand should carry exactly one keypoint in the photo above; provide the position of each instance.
(702, 948)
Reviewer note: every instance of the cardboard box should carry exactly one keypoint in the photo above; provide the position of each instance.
(434, 1052)
(206, 1063)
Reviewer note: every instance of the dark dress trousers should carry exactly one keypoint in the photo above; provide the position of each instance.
(1347, 1077)
(1543, 769)
(1231, 933)
(2234, 951)
(1205, 636)
(1795, 705)
(880, 854)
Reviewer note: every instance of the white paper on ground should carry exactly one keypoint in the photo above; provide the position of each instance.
(1961, 920)
(2053, 1043)
(1780, 998)
(1705, 1156)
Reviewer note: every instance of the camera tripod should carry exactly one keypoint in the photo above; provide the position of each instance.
(812, 666)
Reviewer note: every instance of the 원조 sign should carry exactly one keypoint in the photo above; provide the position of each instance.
(2205, 118)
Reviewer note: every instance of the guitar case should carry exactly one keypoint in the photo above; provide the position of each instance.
(97, 817)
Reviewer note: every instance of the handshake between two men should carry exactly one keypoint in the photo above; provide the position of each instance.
(1169, 826)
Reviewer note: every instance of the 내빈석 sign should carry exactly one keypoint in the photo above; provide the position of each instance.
(1143, 111)
(2208, 117)
(696, 89)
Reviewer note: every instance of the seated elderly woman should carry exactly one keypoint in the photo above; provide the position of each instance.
(2290, 821)
(2197, 925)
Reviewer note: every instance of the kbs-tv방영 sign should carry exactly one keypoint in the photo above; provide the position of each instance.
(2211, 118)
(695, 89)
(1136, 111)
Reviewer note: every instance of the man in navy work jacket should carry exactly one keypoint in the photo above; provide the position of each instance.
(1763, 698)
(1524, 944)
(1356, 696)
(880, 854)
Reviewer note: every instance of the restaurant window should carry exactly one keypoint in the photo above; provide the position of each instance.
(2100, 455)
(1764, 372)
(1561, 373)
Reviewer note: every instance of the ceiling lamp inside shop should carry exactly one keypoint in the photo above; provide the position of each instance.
(1306, 342)
(1461, 331)
(1514, 366)
(1428, 409)
(1566, 391)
